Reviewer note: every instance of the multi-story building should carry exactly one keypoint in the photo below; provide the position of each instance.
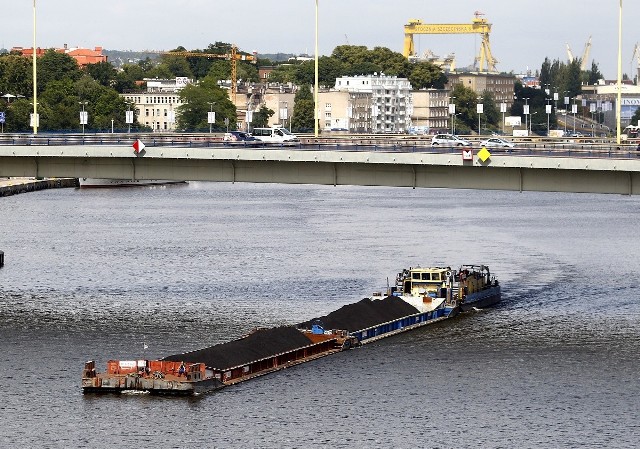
(431, 110)
(600, 102)
(387, 99)
(500, 85)
(156, 106)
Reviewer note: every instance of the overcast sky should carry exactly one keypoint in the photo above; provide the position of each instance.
(523, 33)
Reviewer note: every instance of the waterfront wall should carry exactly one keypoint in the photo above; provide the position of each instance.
(24, 185)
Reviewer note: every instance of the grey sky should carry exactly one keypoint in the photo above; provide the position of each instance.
(523, 33)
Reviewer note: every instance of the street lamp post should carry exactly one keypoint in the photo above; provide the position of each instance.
(619, 81)
(531, 123)
(525, 111)
(479, 110)
(316, 112)
(452, 112)
(83, 115)
(454, 122)
(284, 114)
(211, 116)
(548, 111)
(35, 121)
(503, 109)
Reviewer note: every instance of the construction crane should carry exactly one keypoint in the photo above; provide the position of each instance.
(234, 57)
(478, 25)
(634, 55)
(585, 54)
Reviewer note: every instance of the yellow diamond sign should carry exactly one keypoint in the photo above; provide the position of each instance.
(484, 154)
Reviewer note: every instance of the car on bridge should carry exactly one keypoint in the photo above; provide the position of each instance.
(450, 140)
(497, 142)
(238, 136)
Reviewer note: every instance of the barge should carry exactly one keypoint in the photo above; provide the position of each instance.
(420, 296)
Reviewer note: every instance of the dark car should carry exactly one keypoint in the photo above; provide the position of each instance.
(238, 136)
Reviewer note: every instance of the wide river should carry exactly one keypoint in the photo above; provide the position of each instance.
(100, 274)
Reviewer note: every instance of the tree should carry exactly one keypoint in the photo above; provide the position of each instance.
(127, 77)
(16, 75)
(261, 117)
(102, 72)
(175, 66)
(302, 118)
(466, 101)
(427, 75)
(594, 74)
(56, 66)
(61, 98)
(197, 99)
(491, 114)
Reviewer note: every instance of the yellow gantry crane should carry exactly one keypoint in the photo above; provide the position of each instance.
(234, 57)
(478, 25)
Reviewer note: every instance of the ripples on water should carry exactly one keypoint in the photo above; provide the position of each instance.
(99, 273)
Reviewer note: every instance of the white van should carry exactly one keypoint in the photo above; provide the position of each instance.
(274, 135)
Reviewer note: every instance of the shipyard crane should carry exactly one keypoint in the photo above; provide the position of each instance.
(478, 25)
(585, 54)
(234, 57)
(634, 55)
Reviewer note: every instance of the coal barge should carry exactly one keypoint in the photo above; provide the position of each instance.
(419, 297)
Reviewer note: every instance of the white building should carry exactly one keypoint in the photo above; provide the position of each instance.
(387, 98)
(156, 106)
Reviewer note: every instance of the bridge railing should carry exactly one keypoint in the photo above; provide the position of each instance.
(565, 148)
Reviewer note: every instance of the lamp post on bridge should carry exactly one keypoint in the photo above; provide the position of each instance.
(211, 116)
(525, 111)
(452, 114)
(548, 111)
(479, 111)
(35, 119)
(84, 115)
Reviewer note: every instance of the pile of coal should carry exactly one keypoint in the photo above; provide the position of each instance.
(259, 344)
(363, 314)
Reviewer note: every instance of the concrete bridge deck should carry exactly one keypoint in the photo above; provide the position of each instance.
(566, 168)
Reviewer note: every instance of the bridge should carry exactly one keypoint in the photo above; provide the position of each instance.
(395, 162)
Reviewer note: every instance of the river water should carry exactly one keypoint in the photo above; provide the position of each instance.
(100, 274)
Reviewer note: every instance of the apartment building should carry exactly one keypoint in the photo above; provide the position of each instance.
(156, 106)
(375, 104)
(431, 110)
(500, 85)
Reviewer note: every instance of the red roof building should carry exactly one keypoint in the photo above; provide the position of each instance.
(83, 56)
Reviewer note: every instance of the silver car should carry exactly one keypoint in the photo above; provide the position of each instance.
(449, 140)
(497, 142)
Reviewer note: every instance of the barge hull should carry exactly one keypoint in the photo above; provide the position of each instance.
(486, 298)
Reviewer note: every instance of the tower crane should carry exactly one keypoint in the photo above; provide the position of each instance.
(585, 54)
(234, 57)
(478, 25)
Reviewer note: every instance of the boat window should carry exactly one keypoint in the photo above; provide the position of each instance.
(415, 276)
(426, 277)
(435, 276)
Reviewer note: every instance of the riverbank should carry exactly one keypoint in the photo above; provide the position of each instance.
(13, 186)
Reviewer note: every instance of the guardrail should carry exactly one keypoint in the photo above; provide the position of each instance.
(579, 148)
